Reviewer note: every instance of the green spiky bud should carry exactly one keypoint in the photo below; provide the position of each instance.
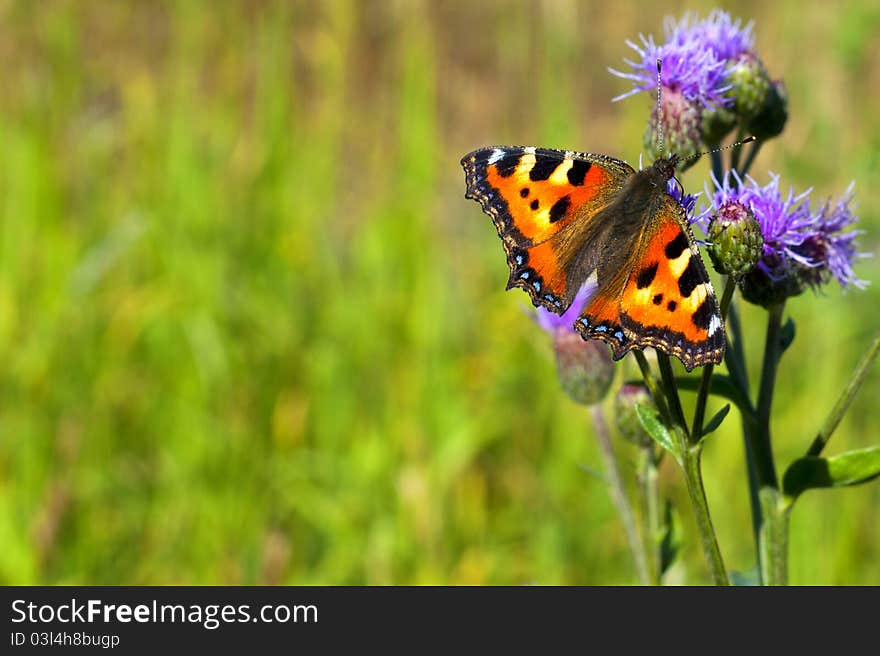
(770, 120)
(750, 83)
(682, 127)
(585, 368)
(736, 240)
(626, 417)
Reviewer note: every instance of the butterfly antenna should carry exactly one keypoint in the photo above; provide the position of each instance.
(718, 150)
(659, 111)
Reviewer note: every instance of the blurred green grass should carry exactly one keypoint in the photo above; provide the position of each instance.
(251, 331)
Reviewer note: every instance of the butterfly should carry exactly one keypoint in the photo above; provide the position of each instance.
(569, 219)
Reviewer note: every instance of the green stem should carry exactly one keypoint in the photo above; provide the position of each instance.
(761, 443)
(773, 526)
(717, 166)
(618, 493)
(736, 357)
(671, 390)
(706, 380)
(846, 398)
(653, 387)
(649, 500)
(750, 158)
(690, 462)
(736, 364)
(735, 153)
(774, 538)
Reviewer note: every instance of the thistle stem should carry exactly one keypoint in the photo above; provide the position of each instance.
(717, 166)
(736, 364)
(763, 452)
(690, 463)
(689, 454)
(736, 152)
(653, 387)
(671, 390)
(773, 522)
(750, 158)
(649, 501)
(618, 493)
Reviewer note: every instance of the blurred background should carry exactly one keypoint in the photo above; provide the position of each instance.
(251, 332)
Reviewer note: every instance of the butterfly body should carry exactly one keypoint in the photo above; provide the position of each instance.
(569, 219)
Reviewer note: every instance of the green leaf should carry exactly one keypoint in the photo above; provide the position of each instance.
(715, 421)
(850, 468)
(786, 335)
(650, 420)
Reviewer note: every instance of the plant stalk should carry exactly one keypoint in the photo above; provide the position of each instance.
(619, 495)
(694, 479)
(649, 501)
(774, 538)
(671, 390)
(773, 527)
(653, 387)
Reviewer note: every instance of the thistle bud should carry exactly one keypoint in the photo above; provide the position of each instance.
(682, 126)
(627, 418)
(736, 240)
(770, 120)
(585, 367)
(759, 288)
(750, 83)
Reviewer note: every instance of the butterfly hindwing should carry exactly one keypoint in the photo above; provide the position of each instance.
(667, 300)
(542, 201)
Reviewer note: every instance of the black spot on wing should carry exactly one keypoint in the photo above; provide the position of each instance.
(560, 207)
(544, 166)
(534, 204)
(507, 164)
(524, 192)
(676, 246)
(703, 316)
(578, 172)
(646, 276)
(671, 306)
(690, 278)
(658, 299)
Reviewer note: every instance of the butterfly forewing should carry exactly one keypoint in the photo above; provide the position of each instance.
(542, 202)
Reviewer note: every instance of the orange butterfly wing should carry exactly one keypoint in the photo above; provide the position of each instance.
(667, 300)
(533, 195)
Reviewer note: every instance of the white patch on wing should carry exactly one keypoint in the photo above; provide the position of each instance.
(530, 150)
(714, 324)
(495, 156)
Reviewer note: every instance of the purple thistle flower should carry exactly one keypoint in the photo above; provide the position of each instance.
(830, 248)
(687, 201)
(688, 68)
(800, 246)
(695, 56)
(727, 38)
(552, 322)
